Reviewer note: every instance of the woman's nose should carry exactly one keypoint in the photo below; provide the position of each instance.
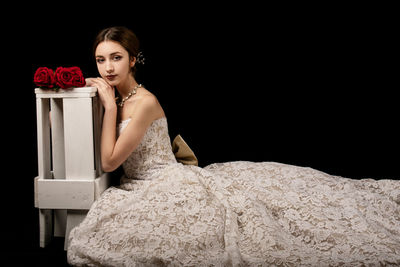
(109, 67)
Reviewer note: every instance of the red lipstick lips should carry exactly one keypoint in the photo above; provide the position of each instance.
(111, 77)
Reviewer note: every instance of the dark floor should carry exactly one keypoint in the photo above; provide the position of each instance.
(53, 255)
(20, 238)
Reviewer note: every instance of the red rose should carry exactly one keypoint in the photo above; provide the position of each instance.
(44, 77)
(69, 77)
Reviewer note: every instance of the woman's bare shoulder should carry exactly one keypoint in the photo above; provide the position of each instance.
(147, 103)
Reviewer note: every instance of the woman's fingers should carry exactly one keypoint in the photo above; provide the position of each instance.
(105, 91)
(101, 82)
(93, 81)
(89, 82)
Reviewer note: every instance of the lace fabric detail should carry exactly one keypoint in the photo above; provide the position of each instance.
(152, 154)
(236, 214)
(303, 217)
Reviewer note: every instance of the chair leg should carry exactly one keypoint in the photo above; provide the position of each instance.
(45, 226)
(60, 222)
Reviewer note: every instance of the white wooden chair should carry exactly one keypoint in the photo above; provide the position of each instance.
(70, 177)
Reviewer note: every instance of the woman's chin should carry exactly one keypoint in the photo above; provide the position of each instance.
(112, 82)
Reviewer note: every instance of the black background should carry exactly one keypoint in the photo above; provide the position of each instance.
(309, 85)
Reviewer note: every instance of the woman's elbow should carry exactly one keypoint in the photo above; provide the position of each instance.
(107, 167)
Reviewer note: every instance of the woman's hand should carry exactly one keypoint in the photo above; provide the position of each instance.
(106, 91)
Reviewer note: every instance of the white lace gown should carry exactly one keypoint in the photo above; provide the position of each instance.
(236, 214)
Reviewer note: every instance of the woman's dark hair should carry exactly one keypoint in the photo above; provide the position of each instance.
(122, 35)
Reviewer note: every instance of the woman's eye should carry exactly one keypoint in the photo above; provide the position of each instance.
(116, 58)
(100, 60)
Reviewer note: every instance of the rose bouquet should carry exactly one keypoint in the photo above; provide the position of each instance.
(64, 78)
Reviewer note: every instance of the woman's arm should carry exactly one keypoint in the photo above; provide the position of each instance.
(108, 137)
(108, 132)
(115, 151)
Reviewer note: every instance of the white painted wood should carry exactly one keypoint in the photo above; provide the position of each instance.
(101, 183)
(58, 159)
(66, 93)
(57, 138)
(43, 138)
(36, 201)
(46, 227)
(78, 134)
(69, 194)
(70, 178)
(74, 218)
(60, 222)
(65, 194)
(44, 166)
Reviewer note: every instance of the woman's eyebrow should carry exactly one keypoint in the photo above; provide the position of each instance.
(112, 54)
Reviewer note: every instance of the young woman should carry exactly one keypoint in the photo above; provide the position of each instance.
(226, 214)
(116, 62)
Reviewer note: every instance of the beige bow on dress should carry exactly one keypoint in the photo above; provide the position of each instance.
(183, 153)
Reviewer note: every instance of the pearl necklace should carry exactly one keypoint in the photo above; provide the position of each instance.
(133, 92)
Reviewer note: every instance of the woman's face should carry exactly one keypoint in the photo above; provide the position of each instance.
(113, 62)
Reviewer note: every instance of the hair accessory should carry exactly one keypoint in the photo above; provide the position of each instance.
(140, 58)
